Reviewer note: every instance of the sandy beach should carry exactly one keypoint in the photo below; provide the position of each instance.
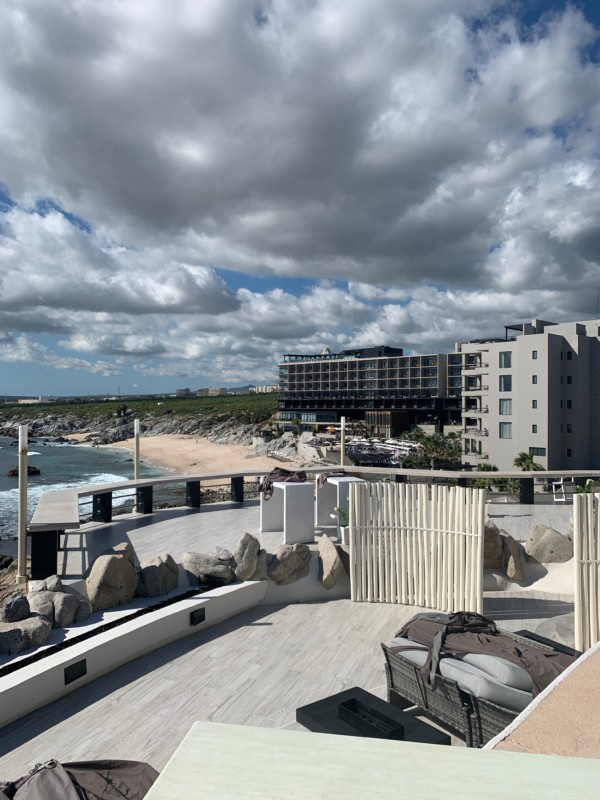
(190, 455)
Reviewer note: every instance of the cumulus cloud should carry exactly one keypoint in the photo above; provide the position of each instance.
(432, 166)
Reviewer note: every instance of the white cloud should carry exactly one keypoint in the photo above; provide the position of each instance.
(437, 156)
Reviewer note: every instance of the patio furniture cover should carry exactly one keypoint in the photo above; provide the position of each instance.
(82, 780)
(468, 632)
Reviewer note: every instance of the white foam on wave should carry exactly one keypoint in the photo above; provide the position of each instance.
(10, 498)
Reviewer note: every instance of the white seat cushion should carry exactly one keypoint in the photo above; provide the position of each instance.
(500, 669)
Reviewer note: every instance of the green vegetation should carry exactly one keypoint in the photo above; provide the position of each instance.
(243, 408)
(525, 462)
(436, 450)
(589, 487)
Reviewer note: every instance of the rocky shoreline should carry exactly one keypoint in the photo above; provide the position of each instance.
(119, 427)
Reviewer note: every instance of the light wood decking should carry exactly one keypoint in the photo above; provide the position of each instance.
(254, 669)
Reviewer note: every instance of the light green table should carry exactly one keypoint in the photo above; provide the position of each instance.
(236, 761)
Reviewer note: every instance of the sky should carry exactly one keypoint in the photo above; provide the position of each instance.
(190, 189)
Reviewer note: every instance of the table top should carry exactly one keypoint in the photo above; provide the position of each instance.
(337, 479)
(322, 716)
(238, 762)
(290, 484)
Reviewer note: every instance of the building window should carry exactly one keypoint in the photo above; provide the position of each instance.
(537, 451)
(569, 428)
(534, 378)
(569, 404)
(506, 383)
(505, 408)
(569, 452)
(534, 403)
(505, 360)
(534, 354)
(569, 379)
(505, 431)
(534, 428)
(570, 355)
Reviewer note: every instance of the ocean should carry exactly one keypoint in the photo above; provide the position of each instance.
(63, 466)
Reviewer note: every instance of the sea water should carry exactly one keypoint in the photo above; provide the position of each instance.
(62, 466)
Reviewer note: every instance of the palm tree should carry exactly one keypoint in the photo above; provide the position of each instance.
(525, 462)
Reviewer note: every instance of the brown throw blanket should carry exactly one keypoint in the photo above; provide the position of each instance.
(279, 474)
(467, 632)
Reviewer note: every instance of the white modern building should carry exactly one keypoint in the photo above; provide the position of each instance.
(536, 391)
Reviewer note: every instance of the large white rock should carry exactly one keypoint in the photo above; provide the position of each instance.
(207, 569)
(112, 582)
(245, 556)
(331, 566)
(18, 636)
(548, 546)
(160, 575)
(289, 563)
(513, 558)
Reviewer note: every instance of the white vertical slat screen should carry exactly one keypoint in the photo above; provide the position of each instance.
(586, 547)
(417, 545)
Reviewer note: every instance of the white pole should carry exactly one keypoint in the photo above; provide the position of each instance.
(136, 451)
(22, 518)
(343, 441)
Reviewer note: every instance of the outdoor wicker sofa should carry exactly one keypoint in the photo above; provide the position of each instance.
(456, 702)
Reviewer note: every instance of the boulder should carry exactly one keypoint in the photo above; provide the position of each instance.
(224, 555)
(262, 563)
(330, 564)
(54, 584)
(42, 603)
(513, 558)
(245, 555)
(36, 586)
(112, 582)
(18, 636)
(289, 563)
(11, 639)
(123, 549)
(207, 569)
(160, 575)
(492, 546)
(84, 607)
(5, 560)
(65, 609)
(14, 608)
(548, 546)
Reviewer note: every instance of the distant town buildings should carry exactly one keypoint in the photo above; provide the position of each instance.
(29, 401)
(264, 389)
(212, 391)
(182, 392)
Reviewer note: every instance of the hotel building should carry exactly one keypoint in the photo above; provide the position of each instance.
(380, 385)
(536, 391)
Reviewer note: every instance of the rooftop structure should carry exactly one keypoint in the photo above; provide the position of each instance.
(257, 668)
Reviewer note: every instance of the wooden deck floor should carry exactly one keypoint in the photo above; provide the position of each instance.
(254, 669)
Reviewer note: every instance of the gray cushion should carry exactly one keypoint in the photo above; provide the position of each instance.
(499, 668)
(468, 677)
